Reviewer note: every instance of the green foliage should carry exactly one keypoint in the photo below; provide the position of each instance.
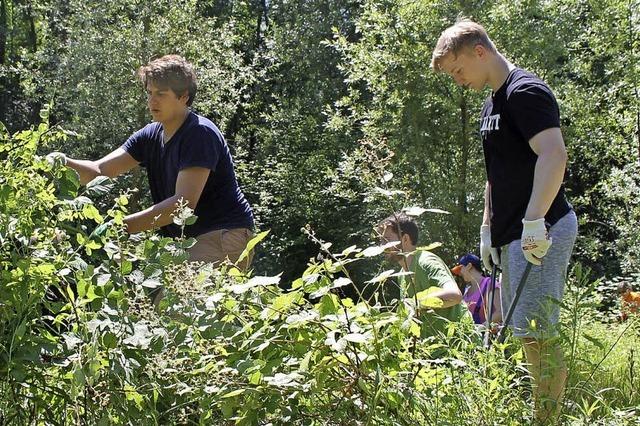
(335, 120)
(430, 124)
(81, 341)
(601, 356)
(294, 87)
(427, 121)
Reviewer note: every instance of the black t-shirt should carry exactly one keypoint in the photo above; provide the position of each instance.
(520, 109)
(197, 143)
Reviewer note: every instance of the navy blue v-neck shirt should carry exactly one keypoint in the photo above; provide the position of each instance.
(197, 143)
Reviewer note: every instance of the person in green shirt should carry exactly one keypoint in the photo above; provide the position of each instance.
(428, 271)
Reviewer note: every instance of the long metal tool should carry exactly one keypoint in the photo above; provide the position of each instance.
(512, 307)
(491, 293)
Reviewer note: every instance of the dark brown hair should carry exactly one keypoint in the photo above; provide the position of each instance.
(404, 222)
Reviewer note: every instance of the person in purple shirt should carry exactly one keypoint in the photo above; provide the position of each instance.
(187, 161)
(476, 294)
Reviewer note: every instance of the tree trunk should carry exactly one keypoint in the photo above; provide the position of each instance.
(32, 35)
(262, 24)
(464, 162)
(3, 31)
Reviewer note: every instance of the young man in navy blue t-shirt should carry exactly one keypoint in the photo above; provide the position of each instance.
(187, 159)
(526, 216)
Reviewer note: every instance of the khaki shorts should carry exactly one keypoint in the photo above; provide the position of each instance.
(222, 244)
(216, 247)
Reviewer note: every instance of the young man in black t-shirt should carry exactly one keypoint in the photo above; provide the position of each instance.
(188, 160)
(526, 216)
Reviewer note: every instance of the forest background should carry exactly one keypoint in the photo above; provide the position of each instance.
(333, 115)
(303, 91)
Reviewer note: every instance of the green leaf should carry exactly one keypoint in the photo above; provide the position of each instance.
(188, 243)
(259, 281)
(122, 200)
(20, 330)
(69, 183)
(126, 267)
(414, 329)
(91, 212)
(151, 283)
(357, 337)
(285, 301)
(44, 269)
(304, 364)
(227, 409)
(251, 244)
(385, 275)
(132, 395)
(91, 245)
(109, 340)
(341, 282)
(349, 250)
(79, 377)
(593, 340)
(329, 304)
(427, 301)
(430, 247)
(81, 288)
(166, 259)
(72, 296)
(233, 393)
(99, 186)
(299, 282)
(377, 250)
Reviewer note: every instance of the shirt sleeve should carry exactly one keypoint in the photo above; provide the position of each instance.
(136, 145)
(202, 148)
(533, 108)
(435, 270)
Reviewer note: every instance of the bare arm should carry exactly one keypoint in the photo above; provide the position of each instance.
(496, 315)
(549, 172)
(189, 187)
(449, 294)
(486, 217)
(112, 165)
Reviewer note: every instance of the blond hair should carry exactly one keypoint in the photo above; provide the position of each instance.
(462, 35)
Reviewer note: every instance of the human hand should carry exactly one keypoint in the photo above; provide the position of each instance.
(488, 254)
(56, 158)
(101, 229)
(535, 241)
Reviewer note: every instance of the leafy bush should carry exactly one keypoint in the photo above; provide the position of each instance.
(80, 341)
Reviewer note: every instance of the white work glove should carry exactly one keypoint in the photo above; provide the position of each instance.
(56, 158)
(535, 241)
(488, 254)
